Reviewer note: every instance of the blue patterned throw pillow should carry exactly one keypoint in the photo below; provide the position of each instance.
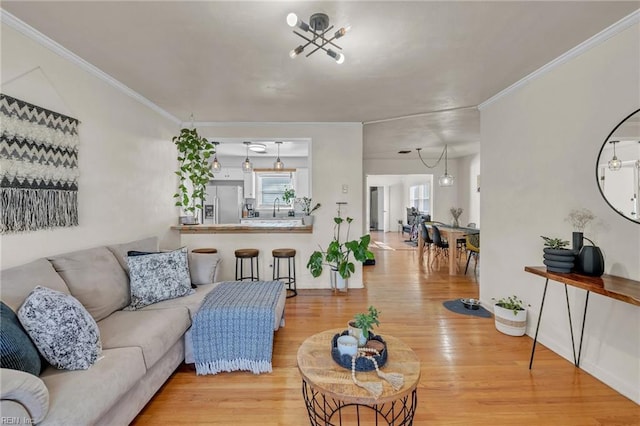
(17, 351)
(64, 332)
(156, 277)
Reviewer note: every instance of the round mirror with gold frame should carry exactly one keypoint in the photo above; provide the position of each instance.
(618, 168)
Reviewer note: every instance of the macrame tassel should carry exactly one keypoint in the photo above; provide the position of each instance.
(396, 380)
(374, 388)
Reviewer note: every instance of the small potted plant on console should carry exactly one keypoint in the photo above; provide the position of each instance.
(557, 257)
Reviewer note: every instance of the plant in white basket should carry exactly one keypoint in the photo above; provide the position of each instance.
(510, 316)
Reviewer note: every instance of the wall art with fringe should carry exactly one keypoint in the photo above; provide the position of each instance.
(38, 167)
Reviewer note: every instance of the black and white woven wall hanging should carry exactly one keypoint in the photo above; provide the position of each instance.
(38, 167)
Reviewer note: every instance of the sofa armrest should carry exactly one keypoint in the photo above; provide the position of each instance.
(25, 389)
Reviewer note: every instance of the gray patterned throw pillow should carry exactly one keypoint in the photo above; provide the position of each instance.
(64, 332)
(156, 277)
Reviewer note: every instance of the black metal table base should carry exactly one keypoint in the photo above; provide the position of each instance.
(576, 360)
(327, 411)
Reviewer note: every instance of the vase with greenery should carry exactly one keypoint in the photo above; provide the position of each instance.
(193, 171)
(510, 316)
(456, 212)
(307, 207)
(557, 257)
(361, 326)
(288, 197)
(341, 253)
(579, 219)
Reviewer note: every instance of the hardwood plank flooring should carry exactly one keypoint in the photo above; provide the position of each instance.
(470, 373)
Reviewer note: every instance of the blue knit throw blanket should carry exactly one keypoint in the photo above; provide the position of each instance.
(233, 329)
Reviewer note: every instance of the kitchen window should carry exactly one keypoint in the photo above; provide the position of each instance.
(270, 186)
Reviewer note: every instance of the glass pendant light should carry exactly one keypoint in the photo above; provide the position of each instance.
(278, 165)
(614, 164)
(247, 167)
(216, 166)
(446, 179)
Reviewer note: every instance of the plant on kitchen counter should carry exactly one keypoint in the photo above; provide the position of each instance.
(305, 204)
(194, 153)
(289, 195)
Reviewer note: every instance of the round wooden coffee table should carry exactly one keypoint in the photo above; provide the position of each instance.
(332, 398)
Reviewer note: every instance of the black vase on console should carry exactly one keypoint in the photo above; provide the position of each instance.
(590, 260)
(578, 241)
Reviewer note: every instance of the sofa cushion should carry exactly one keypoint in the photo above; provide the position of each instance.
(95, 278)
(158, 276)
(17, 351)
(61, 328)
(154, 331)
(120, 250)
(83, 397)
(18, 282)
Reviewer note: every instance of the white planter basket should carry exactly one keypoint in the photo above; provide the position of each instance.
(509, 323)
(338, 283)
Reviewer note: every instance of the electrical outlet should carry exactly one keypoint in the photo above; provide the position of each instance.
(345, 188)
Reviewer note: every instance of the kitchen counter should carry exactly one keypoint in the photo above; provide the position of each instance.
(257, 227)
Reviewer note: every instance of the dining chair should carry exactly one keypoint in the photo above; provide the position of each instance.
(426, 238)
(473, 249)
(440, 245)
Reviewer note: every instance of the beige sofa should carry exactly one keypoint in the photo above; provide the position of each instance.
(141, 349)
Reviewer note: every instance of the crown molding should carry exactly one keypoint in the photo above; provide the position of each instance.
(8, 19)
(268, 123)
(601, 37)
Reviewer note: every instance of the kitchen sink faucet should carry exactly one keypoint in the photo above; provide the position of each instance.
(277, 200)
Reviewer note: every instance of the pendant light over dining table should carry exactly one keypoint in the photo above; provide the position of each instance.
(446, 179)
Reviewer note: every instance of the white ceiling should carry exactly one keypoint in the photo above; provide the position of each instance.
(228, 61)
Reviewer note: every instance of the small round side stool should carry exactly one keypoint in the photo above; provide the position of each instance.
(241, 256)
(290, 278)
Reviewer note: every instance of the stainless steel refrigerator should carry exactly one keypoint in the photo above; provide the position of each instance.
(224, 202)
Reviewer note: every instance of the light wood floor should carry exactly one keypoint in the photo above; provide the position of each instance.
(471, 374)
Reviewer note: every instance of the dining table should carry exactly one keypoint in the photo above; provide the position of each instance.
(451, 233)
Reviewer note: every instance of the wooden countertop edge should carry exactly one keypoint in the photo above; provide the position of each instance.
(242, 229)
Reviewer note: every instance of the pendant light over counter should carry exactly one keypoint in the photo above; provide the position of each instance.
(216, 166)
(278, 165)
(247, 167)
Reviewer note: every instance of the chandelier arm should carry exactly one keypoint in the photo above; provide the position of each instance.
(318, 46)
(322, 47)
(437, 162)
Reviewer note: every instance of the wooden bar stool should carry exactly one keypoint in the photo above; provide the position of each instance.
(290, 278)
(251, 254)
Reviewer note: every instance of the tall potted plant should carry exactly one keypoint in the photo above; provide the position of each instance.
(340, 254)
(193, 171)
(307, 207)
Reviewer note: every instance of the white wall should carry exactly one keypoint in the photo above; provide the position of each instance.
(336, 160)
(468, 195)
(443, 197)
(126, 158)
(539, 147)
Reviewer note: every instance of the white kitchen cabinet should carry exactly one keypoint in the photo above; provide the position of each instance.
(249, 185)
(229, 173)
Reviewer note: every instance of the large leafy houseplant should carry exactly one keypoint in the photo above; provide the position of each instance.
(340, 253)
(194, 153)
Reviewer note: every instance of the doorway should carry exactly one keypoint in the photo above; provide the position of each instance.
(376, 208)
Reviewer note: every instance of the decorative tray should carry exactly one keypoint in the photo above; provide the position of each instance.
(471, 303)
(362, 364)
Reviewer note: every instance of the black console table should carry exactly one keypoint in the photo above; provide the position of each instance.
(611, 286)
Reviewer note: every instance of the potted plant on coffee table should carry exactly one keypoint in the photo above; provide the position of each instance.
(510, 316)
(340, 255)
(193, 171)
(306, 204)
(361, 326)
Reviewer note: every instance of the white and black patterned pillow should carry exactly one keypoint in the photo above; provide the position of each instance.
(64, 332)
(156, 277)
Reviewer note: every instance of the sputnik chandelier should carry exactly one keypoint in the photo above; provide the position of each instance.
(318, 26)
